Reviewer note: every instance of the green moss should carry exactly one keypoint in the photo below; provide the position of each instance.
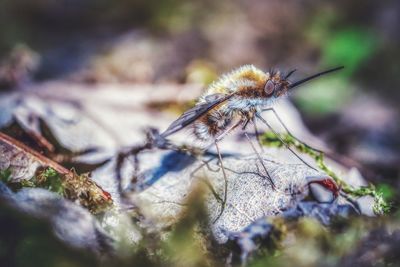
(387, 191)
(186, 244)
(51, 180)
(71, 186)
(381, 206)
(5, 175)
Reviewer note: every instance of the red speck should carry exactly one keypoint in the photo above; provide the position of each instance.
(107, 195)
(329, 184)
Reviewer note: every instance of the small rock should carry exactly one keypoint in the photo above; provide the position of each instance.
(71, 223)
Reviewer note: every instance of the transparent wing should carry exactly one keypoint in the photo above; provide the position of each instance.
(194, 113)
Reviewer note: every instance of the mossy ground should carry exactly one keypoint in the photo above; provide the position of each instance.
(381, 205)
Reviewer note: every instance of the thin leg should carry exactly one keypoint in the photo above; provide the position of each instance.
(219, 138)
(279, 119)
(261, 161)
(227, 131)
(203, 163)
(286, 129)
(283, 142)
(257, 135)
(215, 194)
(225, 180)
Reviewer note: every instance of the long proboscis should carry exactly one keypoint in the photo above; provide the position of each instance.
(295, 84)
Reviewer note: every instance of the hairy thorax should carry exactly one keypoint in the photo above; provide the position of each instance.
(220, 119)
(246, 84)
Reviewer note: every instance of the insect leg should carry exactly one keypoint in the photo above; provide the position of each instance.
(205, 180)
(219, 138)
(286, 129)
(257, 133)
(283, 142)
(260, 159)
(225, 180)
(222, 135)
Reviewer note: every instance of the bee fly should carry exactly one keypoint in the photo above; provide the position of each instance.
(234, 100)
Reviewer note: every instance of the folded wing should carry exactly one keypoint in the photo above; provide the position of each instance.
(194, 113)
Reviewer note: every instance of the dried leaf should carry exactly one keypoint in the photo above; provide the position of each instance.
(46, 143)
(30, 168)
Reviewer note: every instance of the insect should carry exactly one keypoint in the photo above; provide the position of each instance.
(234, 100)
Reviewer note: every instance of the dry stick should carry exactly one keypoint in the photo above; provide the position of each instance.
(34, 154)
(121, 159)
(283, 142)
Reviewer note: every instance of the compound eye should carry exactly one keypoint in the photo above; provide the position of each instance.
(269, 87)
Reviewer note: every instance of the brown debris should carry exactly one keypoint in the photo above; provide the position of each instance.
(27, 164)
